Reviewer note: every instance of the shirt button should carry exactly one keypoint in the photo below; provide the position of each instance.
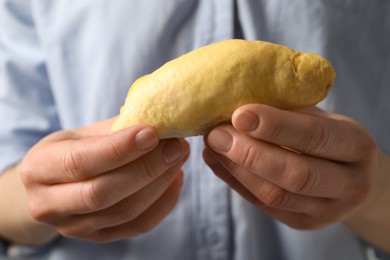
(211, 236)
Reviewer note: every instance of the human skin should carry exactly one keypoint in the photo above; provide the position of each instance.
(305, 168)
(88, 184)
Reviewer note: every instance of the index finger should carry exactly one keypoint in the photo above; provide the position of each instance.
(330, 138)
(79, 159)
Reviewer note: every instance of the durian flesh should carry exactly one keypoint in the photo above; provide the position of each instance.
(194, 92)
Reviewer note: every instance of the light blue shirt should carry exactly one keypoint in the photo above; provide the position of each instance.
(66, 64)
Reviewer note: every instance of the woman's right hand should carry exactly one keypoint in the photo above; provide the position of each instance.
(92, 185)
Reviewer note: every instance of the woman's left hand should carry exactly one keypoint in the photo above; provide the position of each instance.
(306, 168)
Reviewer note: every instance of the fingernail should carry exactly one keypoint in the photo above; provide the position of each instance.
(246, 121)
(173, 151)
(145, 139)
(220, 140)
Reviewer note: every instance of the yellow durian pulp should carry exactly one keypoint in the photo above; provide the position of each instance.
(196, 91)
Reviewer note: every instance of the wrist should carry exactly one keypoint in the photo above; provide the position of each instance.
(17, 226)
(371, 220)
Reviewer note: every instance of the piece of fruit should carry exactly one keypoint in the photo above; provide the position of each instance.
(189, 95)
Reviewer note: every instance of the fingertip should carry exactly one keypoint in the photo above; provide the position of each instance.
(146, 138)
(245, 120)
(142, 137)
(174, 150)
(186, 145)
(220, 139)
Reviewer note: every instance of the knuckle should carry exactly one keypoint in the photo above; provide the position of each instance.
(72, 163)
(70, 231)
(249, 157)
(41, 211)
(361, 192)
(130, 212)
(37, 212)
(150, 172)
(66, 232)
(271, 131)
(147, 223)
(230, 165)
(26, 171)
(317, 138)
(74, 230)
(38, 209)
(144, 227)
(365, 148)
(274, 197)
(169, 175)
(301, 179)
(80, 229)
(116, 152)
(92, 196)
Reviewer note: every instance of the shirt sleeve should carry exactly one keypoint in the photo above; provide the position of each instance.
(376, 254)
(2, 248)
(27, 108)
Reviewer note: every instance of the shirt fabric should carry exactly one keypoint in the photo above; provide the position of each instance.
(66, 64)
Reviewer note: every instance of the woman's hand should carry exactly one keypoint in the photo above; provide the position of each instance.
(306, 168)
(97, 186)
